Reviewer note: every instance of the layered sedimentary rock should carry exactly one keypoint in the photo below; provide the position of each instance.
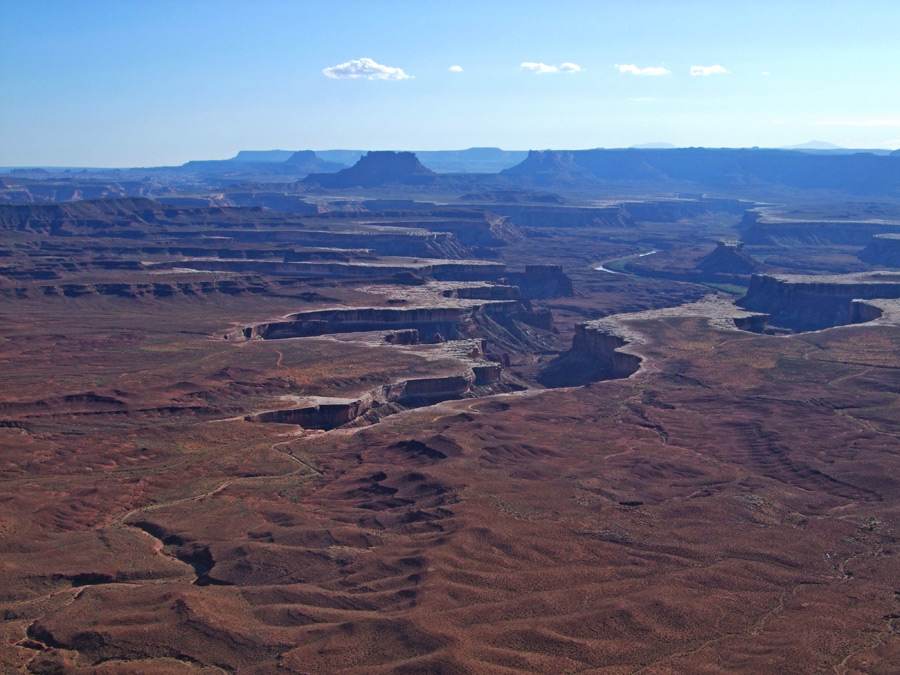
(329, 412)
(863, 311)
(318, 412)
(271, 199)
(384, 241)
(596, 354)
(541, 215)
(470, 227)
(728, 257)
(605, 343)
(726, 167)
(884, 249)
(94, 214)
(428, 321)
(550, 168)
(608, 348)
(620, 214)
(377, 168)
(762, 227)
(884, 310)
(803, 302)
(753, 323)
(263, 162)
(542, 281)
(484, 292)
(409, 336)
(462, 270)
(28, 190)
(255, 286)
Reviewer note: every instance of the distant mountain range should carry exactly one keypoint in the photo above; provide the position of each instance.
(676, 169)
(262, 156)
(815, 165)
(814, 145)
(723, 167)
(826, 147)
(653, 146)
(255, 162)
(473, 160)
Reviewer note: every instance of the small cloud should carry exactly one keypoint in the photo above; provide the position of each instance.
(570, 68)
(765, 72)
(860, 123)
(538, 68)
(456, 69)
(708, 70)
(366, 68)
(634, 70)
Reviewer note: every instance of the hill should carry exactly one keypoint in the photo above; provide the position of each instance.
(377, 168)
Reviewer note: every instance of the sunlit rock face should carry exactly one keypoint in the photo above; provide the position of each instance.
(804, 303)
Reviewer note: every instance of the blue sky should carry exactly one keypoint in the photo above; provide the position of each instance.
(129, 83)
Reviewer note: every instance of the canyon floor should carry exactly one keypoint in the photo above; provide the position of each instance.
(597, 472)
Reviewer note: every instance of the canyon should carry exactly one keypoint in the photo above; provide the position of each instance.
(347, 412)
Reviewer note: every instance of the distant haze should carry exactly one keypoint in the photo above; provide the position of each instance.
(651, 146)
(814, 145)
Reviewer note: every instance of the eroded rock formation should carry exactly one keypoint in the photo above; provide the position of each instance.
(884, 249)
(377, 168)
(427, 321)
(763, 227)
(609, 348)
(728, 257)
(736, 168)
(318, 412)
(804, 302)
(542, 281)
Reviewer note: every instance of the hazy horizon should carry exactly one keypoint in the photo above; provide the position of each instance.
(111, 84)
(655, 145)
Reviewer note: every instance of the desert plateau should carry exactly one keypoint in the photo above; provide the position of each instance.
(501, 430)
(391, 338)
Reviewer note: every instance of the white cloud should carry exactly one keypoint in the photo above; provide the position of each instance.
(708, 70)
(570, 68)
(366, 68)
(649, 70)
(860, 123)
(455, 69)
(765, 72)
(538, 67)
